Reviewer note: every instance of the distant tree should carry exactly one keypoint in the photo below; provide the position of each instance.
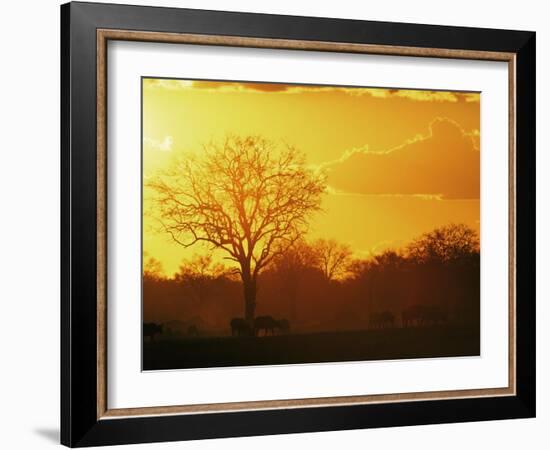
(333, 258)
(359, 268)
(201, 266)
(289, 268)
(447, 259)
(152, 268)
(389, 259)
(241, 197)
(378, 278)
(199, 275)
(363, 273)
(366, 270)
(445, 244)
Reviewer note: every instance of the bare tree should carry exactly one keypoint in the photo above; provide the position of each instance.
(289, 269)
(199, 275)
(333, 257)
(152, 268)
(242, 197)
(448, 243)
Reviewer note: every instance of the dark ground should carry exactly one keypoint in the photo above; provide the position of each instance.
(394, 343)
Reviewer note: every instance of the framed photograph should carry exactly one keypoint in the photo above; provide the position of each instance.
(276, 224)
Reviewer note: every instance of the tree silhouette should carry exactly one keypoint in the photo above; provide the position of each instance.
(333, 257)
(289, 269)
(242, 197)
(152, 268)
(449, 243)
(199, 275)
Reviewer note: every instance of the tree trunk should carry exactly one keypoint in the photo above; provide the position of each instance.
(249, 287)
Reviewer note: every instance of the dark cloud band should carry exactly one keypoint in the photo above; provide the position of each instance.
(445, 163)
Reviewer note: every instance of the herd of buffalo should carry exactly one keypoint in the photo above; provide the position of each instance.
(413, 316)
(265, 324)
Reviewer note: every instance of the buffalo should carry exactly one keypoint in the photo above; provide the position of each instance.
(265, 323)
(240, 327)
(384, 319)
(151, 329)
(423, 315)
(193, 331)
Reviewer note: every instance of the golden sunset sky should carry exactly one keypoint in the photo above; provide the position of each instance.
(399, 162)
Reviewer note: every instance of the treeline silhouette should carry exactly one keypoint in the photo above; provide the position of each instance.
(320, 286)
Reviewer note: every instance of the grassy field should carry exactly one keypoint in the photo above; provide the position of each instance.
(394, 343)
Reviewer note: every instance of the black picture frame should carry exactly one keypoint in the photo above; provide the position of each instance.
(80, 425)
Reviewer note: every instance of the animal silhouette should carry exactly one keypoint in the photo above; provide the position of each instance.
(240, 327)
(265, 323)
(413, 316)
(384, 319)
(150, 330)
(174, 328)
(423, 315)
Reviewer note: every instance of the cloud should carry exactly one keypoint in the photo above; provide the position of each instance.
(475, 137)
(443, 164)
(416, 95)
(161, 146)
(255, 87)
(170, 84)
(241, 86)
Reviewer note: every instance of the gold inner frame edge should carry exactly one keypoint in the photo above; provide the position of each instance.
(103, 36)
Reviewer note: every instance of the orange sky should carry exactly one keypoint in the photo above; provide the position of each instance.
(399, 162)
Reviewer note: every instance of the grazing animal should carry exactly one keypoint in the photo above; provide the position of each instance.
(192, 331)
(384, 319)
(413, 316)
(423, 315)
(265, 323)
(240, 327)
(283, 325)
(150, 330)
(387, 319)
(174, 328)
